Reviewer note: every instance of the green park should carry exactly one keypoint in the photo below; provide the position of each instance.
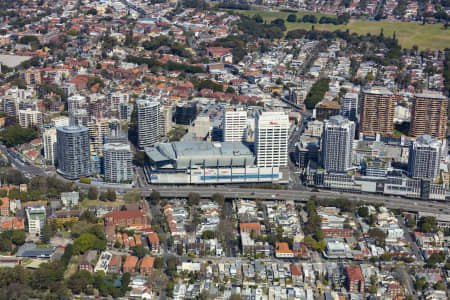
(428, 36)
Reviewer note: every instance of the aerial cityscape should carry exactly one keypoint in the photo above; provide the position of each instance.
(231, 149)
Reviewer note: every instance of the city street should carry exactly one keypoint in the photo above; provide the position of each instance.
(25, 168)
(412, 205)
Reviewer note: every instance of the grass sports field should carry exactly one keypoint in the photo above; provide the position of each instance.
(429, 36)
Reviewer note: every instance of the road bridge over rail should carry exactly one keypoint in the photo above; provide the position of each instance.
(230, 192)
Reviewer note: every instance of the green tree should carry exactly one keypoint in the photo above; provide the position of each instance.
(363, 211)
(67, 255)
(193, 199)
(320, 245)
(316, 93)
(218, 198)
(125, 282)
(93, 193)
(440, 286)
(386, 257)
(309, 241)
(79, 282)
(18, 237)
(139, 158)
(5, 244)
(109, 195)
(421, 283)
(132, 197)
(208, 235)
(372, 219)
(292, 18)
(435, 258)
(16, 135)
(230, 90)
(172, 263)
(159, 262)
(84, 242)
(377, 234)
(428, 224)
(139, 251)
(208, 84)
(48, 276)
(46, 234)
(318, 235)
(88, 217)
(370, 77)
(155, 197)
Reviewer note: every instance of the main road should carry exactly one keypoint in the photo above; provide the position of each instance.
(233, 192)
(23, 166)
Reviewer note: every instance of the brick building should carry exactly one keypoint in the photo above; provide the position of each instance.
(153, 240)
(86, 262)
(249, 227)
(355, 279)
(130, 264)
(126, 218)
(146, 265)
(4, 206)
(114, 264)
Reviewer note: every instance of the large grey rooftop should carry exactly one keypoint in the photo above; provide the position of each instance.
(427, 139)
(378, 91)
(431, 96)
(12, 61)
(182, 154)
(72, 129)
(338, 120)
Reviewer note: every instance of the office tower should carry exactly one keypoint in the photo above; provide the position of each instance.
(49, 137)
(118, 98)
(234, 126)
(79, 117)
(148, 121)
(185, 113)
(68, 89)
(125, 111)
(10, 106)
(166, 119)
(337, 141)
(30, 118)
(424, 157)
(36, 220)
(271, 139)
(72, 151)
(75, 102)
(114, 128)
(98, 131)
(429, 115)
(60, 121)
(376, 109)
(349, 107)
(117, 159)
